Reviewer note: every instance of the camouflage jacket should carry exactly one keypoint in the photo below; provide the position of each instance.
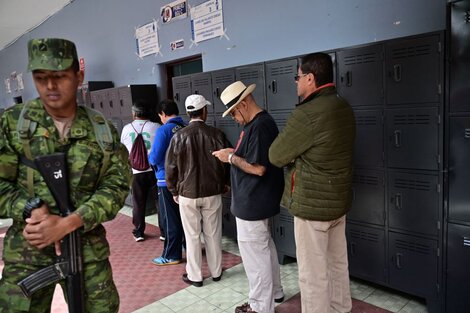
(95, 201)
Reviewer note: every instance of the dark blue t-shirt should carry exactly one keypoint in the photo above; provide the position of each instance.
(254, 197)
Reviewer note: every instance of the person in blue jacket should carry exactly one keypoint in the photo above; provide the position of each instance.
(169, 209)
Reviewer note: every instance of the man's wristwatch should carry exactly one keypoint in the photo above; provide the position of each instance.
(31, 204)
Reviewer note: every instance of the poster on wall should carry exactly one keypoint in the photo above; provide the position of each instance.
(207, 20)
(177, 44)
(147, 39)
(174, 11)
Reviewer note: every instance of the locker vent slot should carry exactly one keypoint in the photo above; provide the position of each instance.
(412, 246)
(412, 119)
(225, 122)
(467, 133)
(366, 180)
(224, 79)
(360, 59)
(182, 84)
(412, 51)
(201, 82)
(369, 120)
(412, 184)
(281, 70)
(285, 217)
(249, 75)
(364, 235)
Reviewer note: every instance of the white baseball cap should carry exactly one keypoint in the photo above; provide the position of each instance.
(195, 102)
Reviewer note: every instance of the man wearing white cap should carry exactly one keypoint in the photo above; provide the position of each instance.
(197, 181)
(256, 193)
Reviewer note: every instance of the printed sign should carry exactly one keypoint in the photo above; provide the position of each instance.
(173, 11)
(207, 20)
(177, 44)
(147, 39)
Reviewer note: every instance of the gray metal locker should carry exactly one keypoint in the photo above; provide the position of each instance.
(368, 203)
(201, 84)
(414, 71)
(413, 203)
(230, 128)
(281, 89)
(99, 102)
(220, 80)
(283, 234)
(181, 90)
(253, 74)
(114, 104)
(366, 252)
(413, 264)
(360, 73)
(369, 146)
(459, 61)
(458, 275)
(229, 225)
(459, 169)
(413, 138)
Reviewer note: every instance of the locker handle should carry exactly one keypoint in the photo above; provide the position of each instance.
(101, 104)
(397, 73)
(111, 103)
(281, 231)
(274, 86)
(353, 248)
(349, 78)
(217, 92)
(398, 260)
(122, 103)
(398, 201)
(397, 138)
(177, 96)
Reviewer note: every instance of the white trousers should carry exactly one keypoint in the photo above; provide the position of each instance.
(202, 214)
(322, 259)
(261, 264)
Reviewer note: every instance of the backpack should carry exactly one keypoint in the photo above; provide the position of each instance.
(138, 154)
(26, 128)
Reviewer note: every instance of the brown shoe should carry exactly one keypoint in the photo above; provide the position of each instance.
(244, 308)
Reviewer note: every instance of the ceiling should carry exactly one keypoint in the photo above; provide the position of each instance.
(17, 17)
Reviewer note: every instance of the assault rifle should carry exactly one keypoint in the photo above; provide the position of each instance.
(69, 265)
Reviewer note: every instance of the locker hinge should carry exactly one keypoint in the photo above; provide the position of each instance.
(439, 89)
(438, 225)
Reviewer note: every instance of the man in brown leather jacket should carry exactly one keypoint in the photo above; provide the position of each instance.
(197, 181)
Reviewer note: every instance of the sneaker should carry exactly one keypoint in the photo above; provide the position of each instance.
(139, 238)
(188, 281)
(161, 261)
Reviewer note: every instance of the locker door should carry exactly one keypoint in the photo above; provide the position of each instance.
(181, 90)
(413, 202)
(458, 275)
(125, 100)
(230, 128)
(413, 264)
(360, 72)
(253, 74)
(201, 84)
(366, 252)
(459, 169)
(281, 88)
(114, 104)
(369, 147)
(283, 227)
(368, 197)
(99, 102)
(220, 80)
(413, 71)
(413, 138)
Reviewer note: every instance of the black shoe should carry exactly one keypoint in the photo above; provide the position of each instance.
(217, 278)
(245, 307)
(188, 281)
(279, 300)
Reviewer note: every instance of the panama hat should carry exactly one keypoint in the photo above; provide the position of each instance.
(234, 94)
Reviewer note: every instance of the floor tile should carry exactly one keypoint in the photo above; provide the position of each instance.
(180, 300)
(225, 298)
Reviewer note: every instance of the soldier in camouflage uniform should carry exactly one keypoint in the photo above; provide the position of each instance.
(61, 126)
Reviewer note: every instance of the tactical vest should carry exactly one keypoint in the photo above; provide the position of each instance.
(26, 128)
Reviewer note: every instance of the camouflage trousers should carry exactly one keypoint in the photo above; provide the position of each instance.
(101, 295)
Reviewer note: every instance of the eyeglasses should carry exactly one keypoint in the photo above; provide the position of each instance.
(297, 77)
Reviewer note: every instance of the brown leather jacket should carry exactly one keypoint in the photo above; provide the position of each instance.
(191, 170)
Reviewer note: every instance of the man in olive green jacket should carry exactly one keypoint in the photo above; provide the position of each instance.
(316, 145)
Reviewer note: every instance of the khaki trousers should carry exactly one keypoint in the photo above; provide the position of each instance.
(323, 265)
(202, 214)
(261, 264)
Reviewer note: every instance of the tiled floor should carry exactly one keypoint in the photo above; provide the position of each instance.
(232, 290)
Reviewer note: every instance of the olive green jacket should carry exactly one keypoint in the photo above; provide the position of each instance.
(316, 145)
(96, 201)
